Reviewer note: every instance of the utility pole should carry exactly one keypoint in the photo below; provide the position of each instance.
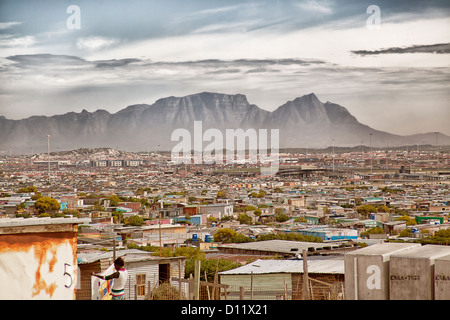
(48, 154)
(437, 142)
(371, 155)
(305, 277)
(114, 248)
(197, 280)
(251, 286)
(160, 244)
(333, 152)
(179, 280)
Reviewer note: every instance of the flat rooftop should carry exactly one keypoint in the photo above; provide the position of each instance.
(428, 251)
(36, 225)
(282, 246)
(18, 222)
(384, 249)
(329, 266)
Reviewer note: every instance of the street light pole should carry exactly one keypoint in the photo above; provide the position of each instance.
(371, 155)
(332, 140)
(437, 142)
(48, 155)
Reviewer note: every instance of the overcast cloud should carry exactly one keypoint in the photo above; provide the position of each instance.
(395, 78)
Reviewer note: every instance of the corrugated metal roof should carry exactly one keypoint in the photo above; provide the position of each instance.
(129, 255)
(89, 257)
(15, 222)
(280, 245)
(329, 266)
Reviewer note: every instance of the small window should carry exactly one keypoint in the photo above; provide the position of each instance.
(140, 284)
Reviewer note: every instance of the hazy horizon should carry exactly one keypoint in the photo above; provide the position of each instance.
(394, 78)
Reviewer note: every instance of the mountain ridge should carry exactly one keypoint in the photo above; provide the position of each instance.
(303, 122)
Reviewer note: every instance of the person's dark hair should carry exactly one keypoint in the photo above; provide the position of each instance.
(119, 261)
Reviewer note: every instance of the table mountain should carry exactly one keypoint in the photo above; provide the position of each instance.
(303, 122)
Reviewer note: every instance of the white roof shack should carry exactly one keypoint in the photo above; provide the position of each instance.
(325, 266)
(282, 279)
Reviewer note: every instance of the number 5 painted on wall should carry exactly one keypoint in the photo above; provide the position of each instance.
(68, 271)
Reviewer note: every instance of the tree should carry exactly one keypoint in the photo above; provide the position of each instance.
(383, 208)
(224, 235)
(117, 216)
(253, 194)
(72, 212)
(98, 207)
(244, 219)
(260, 194)
(20, 207)
(45, 204)
(281, 217)
(409, 221)
(44, 215)
(221, 194)
(366, 209)
(36, 196)
(289, 237)
(405, 233)
(27, 189)
(188, 252)
(240, 238)
(375, 230)
(441, 237)
(31, 189)
(114, 200)
(134, 221)
(210, 266)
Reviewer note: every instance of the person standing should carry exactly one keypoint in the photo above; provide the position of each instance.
(119, 277)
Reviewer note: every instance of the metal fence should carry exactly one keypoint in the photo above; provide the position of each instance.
(317, 290)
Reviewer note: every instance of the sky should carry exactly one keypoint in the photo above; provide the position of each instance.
(387, 62)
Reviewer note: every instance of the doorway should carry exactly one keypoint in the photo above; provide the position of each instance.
(164, 272)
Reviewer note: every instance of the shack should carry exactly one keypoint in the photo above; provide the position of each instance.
(38, 258)
(285, 248)
(283, 280)
(145, 273)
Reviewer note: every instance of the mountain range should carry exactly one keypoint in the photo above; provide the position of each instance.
(303, 122)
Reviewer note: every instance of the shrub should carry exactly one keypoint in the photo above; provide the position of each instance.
(165, 291)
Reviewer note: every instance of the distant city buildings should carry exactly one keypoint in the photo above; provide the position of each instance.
(144, 200)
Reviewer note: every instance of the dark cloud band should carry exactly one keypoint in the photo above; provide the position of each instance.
(441, 48)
